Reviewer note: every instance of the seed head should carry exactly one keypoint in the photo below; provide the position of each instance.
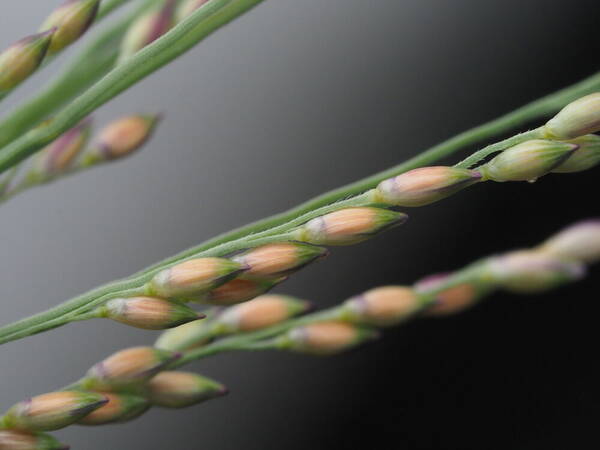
(194, 277)
(182, 389)
(128, 367)
(326, 338)
(451, 300)
(383, 306)
(348, 226)
(71, 20)
(52, 411)
(23, 58)
(187, 7)
(148, 28)
(122, 137)
(262, 312)
(149, 313)
(239, 290)
(579, 242)
(60, 154)
(528, 161)
(17, 440)
(528, 271)
(425, 185)
(584, 158)
(119, 408)
(579, 117)
(279, 258)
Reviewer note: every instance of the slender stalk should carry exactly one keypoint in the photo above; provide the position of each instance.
(84, 70)
(533, 111)
(177, 41)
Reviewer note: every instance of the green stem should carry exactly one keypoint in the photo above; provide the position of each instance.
(533, 111)
(177, 41)
(84, 70)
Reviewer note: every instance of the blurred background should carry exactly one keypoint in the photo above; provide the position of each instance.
(293, 99)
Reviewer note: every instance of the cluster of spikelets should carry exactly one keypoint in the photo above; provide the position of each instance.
(75, 151)
(125, 385)
(70, 21)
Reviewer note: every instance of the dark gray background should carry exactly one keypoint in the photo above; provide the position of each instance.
(295, 98)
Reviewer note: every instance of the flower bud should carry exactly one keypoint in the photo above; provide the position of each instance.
(584, 158)
(71, 20)
(60, 154)
(119, 408)
(451, 300)
(185, 337)
(325, 338)
(128, 367)
(425, 185)
(579, 242)
(149, 313)
(279, 259)
(527, 271)
(528, 161)
(383, 306)
(238, 290)
(122, 137)
(348, 226)
(23, 58)
(187, 7)
(17, 440)
(52, 411)
(194, 276)
(579, 117)
(182, 389)
(148, 28)
(262, 312)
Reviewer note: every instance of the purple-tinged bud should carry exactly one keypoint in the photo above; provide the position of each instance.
(528, 161)
(120, 408)
(23, 58)
(150, 313)
(425, 185)
(325, 338)
(187, 7)
(527, 271)
(57, 157)
(238, 290)
(584, 158)
(451, 300)
(52, 411)
(280, 258)
(122, 137)
(182, 389)
(193, 277)
(17, 440)
(148, 28)
(579, 117)
(383, 306)
(262, 312)
(129, 367)
(348, 226)
(71, 20)
(579, 242)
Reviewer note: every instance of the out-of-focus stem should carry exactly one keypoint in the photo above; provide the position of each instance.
(83, 71)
